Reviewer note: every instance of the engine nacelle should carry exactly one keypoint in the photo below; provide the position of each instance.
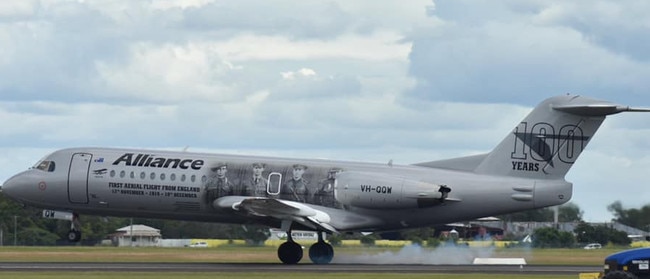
(377, 190)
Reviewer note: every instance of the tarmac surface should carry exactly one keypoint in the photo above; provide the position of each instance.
(301, 268)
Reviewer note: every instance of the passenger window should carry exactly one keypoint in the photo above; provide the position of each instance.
(204, 179)
(162, 176)
(182, 178)
(153, 176)
(132, 175)
(122, 174)
(172, 177)
(142, 175)
(193, 178)
(112, 173)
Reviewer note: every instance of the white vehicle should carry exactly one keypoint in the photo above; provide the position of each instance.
(201, 244)
(592, 246)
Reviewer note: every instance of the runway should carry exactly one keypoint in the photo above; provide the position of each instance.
(299, 268)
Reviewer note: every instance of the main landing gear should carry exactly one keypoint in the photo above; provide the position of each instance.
(320, 252)
(290, 252)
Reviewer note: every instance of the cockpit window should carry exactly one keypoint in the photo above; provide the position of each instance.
(46, 166)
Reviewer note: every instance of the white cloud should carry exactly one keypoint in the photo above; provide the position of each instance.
(329, 79)
(373, 47)
(170, 73)
(503, 54)
(304, 72)
(184, 4)
(18, 9)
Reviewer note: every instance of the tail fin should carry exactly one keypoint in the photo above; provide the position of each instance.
(549, 140)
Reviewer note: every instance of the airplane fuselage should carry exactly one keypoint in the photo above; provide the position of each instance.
(356, 196)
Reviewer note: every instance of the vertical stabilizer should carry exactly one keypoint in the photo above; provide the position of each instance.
(549, 140)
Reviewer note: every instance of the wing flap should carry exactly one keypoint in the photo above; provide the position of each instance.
(280, 209)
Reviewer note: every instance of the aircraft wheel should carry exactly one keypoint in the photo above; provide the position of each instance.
(321, 253)
(290, 252)
(74, 235)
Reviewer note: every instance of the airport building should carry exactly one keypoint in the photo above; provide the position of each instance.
(136, 236)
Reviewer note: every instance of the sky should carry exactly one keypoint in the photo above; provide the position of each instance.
(408, 81)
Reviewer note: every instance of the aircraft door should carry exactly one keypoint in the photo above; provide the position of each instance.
(274, 182)
(78, 177)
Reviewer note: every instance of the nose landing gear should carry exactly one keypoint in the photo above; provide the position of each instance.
(74, 234)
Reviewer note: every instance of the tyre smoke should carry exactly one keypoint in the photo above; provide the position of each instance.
(416, 254)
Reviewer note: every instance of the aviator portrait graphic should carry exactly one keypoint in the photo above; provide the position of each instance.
(292, 182)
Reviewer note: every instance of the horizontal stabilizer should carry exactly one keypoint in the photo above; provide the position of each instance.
(596, 109)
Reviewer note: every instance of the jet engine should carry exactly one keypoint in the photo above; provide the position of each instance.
(378, 190)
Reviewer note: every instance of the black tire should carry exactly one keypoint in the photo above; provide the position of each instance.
(74, 236)
(290, 252)
(618, 274)
(321, 253)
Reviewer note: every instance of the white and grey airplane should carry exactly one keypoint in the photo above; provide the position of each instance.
(525, 171)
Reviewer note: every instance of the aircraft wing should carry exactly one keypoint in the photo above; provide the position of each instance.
(281, 209)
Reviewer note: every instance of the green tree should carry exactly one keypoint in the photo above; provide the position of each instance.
(566, 240)
(586, 233)
(417, 236)
(35, 236)
(619, 238)
(30, 227)
(633, 217)
(568, 212)
(335, 239)
(255, 234)
(552, 238)
(533, 215)
(192, 229)
(368, 240)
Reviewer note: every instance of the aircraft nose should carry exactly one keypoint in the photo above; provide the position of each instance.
(10, 186)
(28, 187)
